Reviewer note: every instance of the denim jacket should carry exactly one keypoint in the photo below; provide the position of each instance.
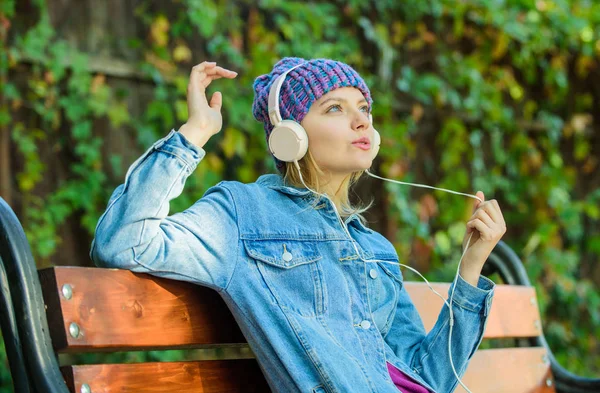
(318, 317)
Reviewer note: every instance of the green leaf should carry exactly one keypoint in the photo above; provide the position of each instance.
(118, 113)
(82, 130)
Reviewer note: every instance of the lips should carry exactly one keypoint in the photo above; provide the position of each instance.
(363, 143)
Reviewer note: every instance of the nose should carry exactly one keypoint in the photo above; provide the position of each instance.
(361, 121)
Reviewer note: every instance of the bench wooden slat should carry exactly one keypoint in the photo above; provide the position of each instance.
(514, 311)
(207, 376)
(120, 310)
(508, 370)
(491, 371)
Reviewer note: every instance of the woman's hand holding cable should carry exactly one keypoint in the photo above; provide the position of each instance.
(487, 227)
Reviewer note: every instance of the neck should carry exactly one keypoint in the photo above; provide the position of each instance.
(332, 186)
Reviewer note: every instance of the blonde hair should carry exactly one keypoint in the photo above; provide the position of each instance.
(311, 173)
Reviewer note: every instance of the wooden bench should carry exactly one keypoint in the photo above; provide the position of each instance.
(75, 310)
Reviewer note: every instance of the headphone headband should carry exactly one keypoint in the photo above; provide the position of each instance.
(274, 113)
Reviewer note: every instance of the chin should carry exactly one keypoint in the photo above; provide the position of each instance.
(363, 165)
(354, 164)
(360, 166)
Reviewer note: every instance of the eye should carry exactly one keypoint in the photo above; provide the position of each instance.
(364, 108)
(333, 106)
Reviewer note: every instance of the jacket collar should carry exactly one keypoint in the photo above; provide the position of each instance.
(275, 182)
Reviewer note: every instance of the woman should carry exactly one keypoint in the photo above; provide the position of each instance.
(318, 295)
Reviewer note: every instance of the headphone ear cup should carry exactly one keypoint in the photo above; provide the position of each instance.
(375, 144)
(288, 141)
(376, 140)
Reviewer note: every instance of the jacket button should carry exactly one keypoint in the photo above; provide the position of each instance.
(365, 324)
(287, 256)
(373, 273)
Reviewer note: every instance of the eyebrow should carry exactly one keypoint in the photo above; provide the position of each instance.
(340, 100)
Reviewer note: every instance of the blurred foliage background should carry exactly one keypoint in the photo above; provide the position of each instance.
(501, 96)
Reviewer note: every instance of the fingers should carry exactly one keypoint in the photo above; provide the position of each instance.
(492, 208)
(195, 89)
(211, 74)
(485, 232)
(223, 72)
(203, 74)
(479, 195)
(482, 228)
(484, 216)
(496, 210)
(198, 72)
(487, 219)
(216, 102)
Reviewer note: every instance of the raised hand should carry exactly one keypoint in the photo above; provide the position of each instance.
(204, 118)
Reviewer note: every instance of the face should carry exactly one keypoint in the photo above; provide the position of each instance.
(334, 124)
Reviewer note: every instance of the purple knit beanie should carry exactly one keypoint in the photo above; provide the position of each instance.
(301, 88)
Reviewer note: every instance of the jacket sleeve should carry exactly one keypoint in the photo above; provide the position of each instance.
(427, 353)
(136, 232)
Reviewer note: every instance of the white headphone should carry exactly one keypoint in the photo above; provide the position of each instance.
(288, 141)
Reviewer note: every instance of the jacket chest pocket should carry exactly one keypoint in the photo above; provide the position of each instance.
(386, 290)
(292, 272)
(391, 265)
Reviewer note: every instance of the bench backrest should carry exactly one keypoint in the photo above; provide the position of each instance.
(97, 310)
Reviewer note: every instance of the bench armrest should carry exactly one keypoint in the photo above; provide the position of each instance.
(510, 267)
(31, 346)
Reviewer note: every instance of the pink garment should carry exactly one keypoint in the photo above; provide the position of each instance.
(403, 382)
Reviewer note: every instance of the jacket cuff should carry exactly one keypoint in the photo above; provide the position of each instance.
(177, 145)
(476, 299)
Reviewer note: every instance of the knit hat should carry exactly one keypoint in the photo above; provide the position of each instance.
(301, 88)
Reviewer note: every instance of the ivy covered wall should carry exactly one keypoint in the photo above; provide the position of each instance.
(499, 96)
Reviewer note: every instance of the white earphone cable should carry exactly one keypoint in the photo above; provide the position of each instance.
(423, 186)
(408, 267)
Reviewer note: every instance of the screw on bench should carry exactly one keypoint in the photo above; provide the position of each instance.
(85, 388)
(74, 330)
(548, 382)
(67, 291)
